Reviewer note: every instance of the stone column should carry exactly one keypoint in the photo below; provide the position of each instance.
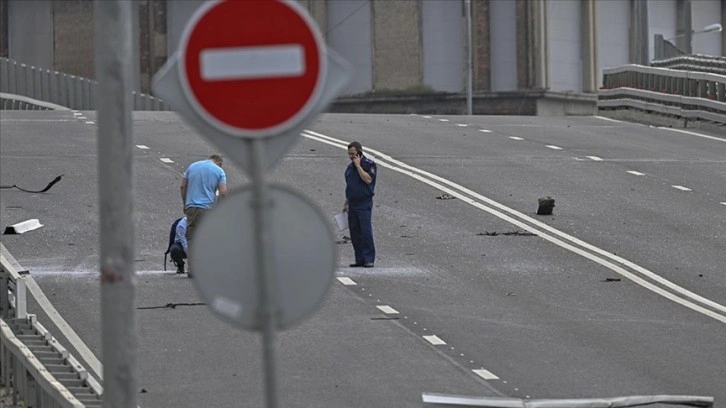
(639, 33)
(481, 45)
(589, 47)
(684, 26)
(397, 44)
(152, 40)
(4, 29)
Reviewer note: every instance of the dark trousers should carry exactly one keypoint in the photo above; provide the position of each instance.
(177, 254)
(361, 234)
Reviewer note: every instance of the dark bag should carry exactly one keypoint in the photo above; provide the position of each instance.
(172, 235)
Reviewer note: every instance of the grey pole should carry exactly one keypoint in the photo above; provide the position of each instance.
(469, 60)
(113, 52)
(267, 306)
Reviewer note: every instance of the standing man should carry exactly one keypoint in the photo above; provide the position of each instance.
(199, 186)
(360, 184)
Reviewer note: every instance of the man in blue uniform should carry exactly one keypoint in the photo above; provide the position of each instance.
(360, 184)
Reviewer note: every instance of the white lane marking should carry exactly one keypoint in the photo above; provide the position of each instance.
(142, 147)
(462, 124)
(435, 340)
(635, 173)
(485, 374)
(426, 116)
(485, 130)
(595, 158)
(682, 188)
(82, 117)
(723, 202)
(553, 147)
(166, 160)
(346, 281)
(269, 61)
(77, 113)
(443, 120)
(609, 119)
(387, 309)
(694, 134)
(516, 138)
(426, 177)
(90, 122)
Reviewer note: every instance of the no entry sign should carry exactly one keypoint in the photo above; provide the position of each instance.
(252, 68)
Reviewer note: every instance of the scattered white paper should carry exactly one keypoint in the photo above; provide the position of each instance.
(342, 220)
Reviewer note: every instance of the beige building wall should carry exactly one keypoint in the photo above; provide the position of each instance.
(397, 61)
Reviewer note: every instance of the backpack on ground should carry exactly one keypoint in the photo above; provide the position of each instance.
(172, 237)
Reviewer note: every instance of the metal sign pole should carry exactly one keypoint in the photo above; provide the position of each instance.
(267, 304)
(113, 46)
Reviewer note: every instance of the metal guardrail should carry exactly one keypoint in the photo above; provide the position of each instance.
(19, 102)
(58, 88)
(33, 364)
(693, 63)
(694, 96)
(443, 400)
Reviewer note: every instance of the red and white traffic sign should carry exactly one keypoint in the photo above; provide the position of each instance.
(252, 68)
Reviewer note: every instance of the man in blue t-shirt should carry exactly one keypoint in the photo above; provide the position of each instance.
(360, 185)
(199, 186)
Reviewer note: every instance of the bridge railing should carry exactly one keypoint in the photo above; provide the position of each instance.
(71, 91)
(687, 95)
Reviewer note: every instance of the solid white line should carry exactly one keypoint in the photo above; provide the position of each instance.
(270, 61)
(516, 138)
(485, 374)
(142, 147)
(166, 160)
(595, 158)
(636, 173)
(435, 340)
(485, 130)
(443, 120)
(347, 281)
(387, 309)
(462, 125)
(553, 147)
(426, 177)
(609, 119)
(694, 134)
(682, 188)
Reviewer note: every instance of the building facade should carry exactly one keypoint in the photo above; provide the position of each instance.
(405, 46)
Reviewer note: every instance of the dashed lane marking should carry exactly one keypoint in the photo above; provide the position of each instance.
(387, 309)
(485, 130)
(89, 122)
(142, 147)
(516, 138)
(347, 281)
(594, 158)
(462, 124)
(682, 188)
(435, 340)
(443, 120)
(635, 173)
(553, 147)
(166, 160)
(485, 374)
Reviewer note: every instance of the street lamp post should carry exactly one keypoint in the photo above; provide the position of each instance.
(715, 27)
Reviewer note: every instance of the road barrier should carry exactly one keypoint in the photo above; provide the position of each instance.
(58, 88)
(443, 400)
(37, 369)
(681, 95)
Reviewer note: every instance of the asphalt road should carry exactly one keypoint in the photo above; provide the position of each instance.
(620, 292)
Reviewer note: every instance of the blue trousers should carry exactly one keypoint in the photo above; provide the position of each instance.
(361, 234)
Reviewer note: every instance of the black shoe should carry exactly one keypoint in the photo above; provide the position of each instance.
(189, 274)
(356, 265)
(180, 269)
(368, 265)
